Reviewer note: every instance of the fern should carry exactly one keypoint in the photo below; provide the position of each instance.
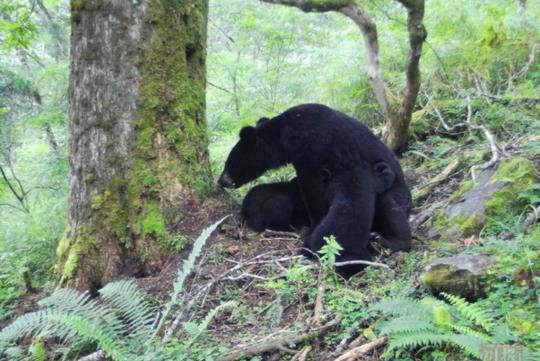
(464, 330)
(201, 327)
(470, 344)
(415, 339)
(471, 311)
(184, 272)
(406, 324)
(133, 310)
(120, 326)
(429, 322)
(402, 306)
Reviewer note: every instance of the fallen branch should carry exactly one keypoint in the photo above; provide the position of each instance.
(441, 177)
(319, 301)
(302, 355)
(490, 138)
(495, 154)
(362, 350)
(367, 263)
(448, 128)
(274, 343)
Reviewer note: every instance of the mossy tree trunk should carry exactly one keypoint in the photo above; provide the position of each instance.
(138, 147)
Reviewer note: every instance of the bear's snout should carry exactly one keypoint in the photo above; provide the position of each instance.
(226, 181)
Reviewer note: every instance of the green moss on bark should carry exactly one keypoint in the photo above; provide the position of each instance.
(172, 126)
(69, 255)
(168, 165)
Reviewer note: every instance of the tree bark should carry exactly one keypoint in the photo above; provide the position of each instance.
(397, 116)
(138, 138)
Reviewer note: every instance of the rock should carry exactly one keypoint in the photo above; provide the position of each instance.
(473, 201)
(493, 197)
(462, 275)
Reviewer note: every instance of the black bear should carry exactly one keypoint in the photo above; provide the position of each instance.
(315, 138)
(276, 206)
(348, 193)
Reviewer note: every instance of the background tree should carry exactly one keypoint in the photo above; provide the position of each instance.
(397, 112)
(138, 147)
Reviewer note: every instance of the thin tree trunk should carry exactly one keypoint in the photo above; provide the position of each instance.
(138, 146)
(397, 116)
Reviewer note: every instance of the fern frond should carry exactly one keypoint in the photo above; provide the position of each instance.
(51, 322)
(184, 272)
(414, 340)
(471, 311)
(68, 300)
(106, 342)
(402, 306)
(464, 330)
(468, 343)
(529, 355)
(209, 317)
(129, 304)
(405, 324)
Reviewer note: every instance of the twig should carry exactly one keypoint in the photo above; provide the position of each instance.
(260, 347)
(490, 138)
(367, 263)
(495, 154)
(321, 288)
(527, 65)
(438, 113)
(362, 350)
(257, 277)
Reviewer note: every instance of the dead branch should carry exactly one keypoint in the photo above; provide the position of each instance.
(495, 154)
(490, 138)
(527, 66)
(439, 115)
(302, 355)
(362, 350)
(274, 343)
(367, 263)
(317, 311)
(441, 177)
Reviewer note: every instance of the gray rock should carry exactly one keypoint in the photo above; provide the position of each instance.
(474, 200)
(462, 275)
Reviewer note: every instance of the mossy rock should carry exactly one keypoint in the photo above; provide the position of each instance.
(492, 198)
(462, 275)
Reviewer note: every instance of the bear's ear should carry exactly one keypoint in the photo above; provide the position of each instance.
(262, 121)
(248, 134)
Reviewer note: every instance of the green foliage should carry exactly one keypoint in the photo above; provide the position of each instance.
(433, 324)
(17, 29)
(121, 324)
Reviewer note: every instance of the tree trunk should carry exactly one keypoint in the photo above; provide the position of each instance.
(138, 147)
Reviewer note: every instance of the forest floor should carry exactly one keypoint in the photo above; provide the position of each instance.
(264, 293)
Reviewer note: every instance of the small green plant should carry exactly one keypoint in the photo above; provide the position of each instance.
(434, 325)
(123, 326)
(329, 252)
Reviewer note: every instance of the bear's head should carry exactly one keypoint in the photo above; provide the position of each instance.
(246, 162)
